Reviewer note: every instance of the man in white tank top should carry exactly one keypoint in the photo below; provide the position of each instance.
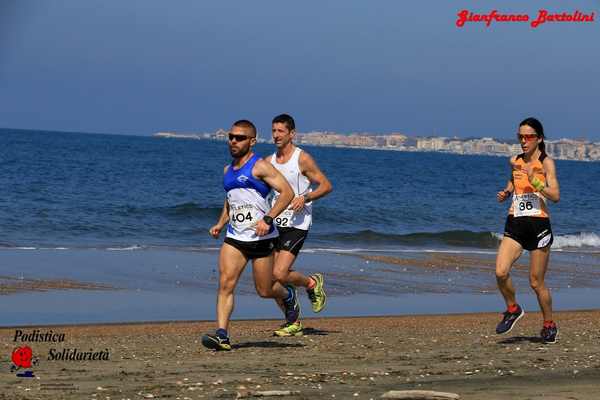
(301, 172)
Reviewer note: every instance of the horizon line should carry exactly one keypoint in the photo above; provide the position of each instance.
(579, 139)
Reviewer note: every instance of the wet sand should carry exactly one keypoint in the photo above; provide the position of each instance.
(351, 273)
(358, 358)
(12, 284)
(436, 272)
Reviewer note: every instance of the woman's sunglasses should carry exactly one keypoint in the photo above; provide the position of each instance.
(528, 138)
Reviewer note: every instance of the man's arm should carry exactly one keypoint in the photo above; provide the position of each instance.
(310, 169)
(215, 230)
(265, 171)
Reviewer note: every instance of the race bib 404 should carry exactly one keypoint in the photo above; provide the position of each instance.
(243, 216)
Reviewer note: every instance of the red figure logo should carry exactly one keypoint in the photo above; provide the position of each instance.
(21, 357)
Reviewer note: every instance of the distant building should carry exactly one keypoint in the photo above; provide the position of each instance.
(563, 149)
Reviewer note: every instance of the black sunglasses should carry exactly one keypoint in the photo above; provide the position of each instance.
(238, 138)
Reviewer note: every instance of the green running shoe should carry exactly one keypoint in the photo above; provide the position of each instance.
(317, 295)
(289, 329)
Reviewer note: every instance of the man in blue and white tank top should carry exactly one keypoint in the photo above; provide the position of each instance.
(302, 173)
(248, 180)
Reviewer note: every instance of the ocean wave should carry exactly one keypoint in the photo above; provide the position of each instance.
(357, 242)
(126, 248)
(578, 240)
(192, 209)
(455, 238)
(16, 247)
(182, 210)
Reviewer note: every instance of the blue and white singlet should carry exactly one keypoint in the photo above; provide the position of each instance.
(247, 199)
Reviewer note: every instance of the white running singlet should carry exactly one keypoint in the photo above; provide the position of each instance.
(301, 185)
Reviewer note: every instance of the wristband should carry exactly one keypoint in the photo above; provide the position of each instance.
(306, 200)
(537, 184)
(268, 220)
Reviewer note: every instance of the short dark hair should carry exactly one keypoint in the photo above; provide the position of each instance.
(244, 123)
(285, 119)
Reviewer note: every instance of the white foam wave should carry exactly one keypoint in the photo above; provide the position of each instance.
(579, 240)
(33, 248)
(128, 248)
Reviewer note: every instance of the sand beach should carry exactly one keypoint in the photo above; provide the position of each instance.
(342, 358)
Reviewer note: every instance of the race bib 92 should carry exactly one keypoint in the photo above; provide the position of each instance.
(285, 218)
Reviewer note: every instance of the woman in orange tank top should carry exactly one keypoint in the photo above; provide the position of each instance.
(533, 181)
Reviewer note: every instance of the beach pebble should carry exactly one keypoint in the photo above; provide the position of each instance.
(268, 393)
(419, 395)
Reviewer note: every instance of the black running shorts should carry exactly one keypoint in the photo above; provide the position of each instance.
(290, 239)
(530, 232)
(255, 249)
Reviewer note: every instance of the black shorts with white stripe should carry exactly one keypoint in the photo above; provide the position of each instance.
(290, 239)
(530, 232)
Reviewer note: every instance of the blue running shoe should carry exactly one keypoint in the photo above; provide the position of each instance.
(216, 342)
(509, 320)
(549, 334)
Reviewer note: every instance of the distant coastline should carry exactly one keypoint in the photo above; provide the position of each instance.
(561, 149)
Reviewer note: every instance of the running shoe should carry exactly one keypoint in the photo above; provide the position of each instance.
(317, 295)
(290, 329)
(549, 334)
(216, 342)
(509, 320)
(291, 305)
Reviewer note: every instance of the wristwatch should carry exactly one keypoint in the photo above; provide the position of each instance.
(268, 220)
(306, 200)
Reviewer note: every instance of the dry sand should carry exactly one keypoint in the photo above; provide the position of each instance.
(341, 358)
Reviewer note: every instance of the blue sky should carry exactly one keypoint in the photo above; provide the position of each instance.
(138, 67)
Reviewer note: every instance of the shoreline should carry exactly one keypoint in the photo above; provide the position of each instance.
(181, 286)
(276, 321)
(356, 357)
